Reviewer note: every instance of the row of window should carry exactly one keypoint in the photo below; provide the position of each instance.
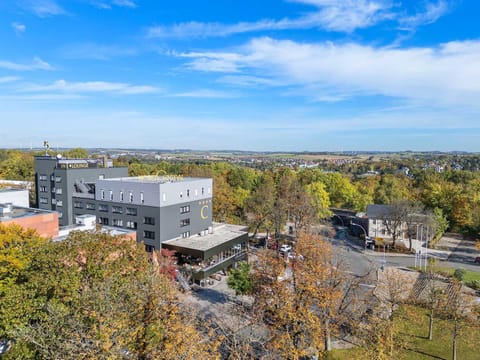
(122, 198)
(184, 209)
(43, 177)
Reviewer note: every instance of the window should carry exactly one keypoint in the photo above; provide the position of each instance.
(203, 190)
(149, 248)
(111, 195)
(117, 222)
(117, 209)
(58, 179)
(90, 206)
(374, 222)
(131, 224)
(142, 200)
(59, 191)
(181, 194)
(102, 207)
(59, 202)
(54, 201)
(60, 214)
(184, 222)
(131, 196)
(185, 209)
(149, 221)
(131, 211)
(42, 177)
(196, 192)
(121, 195)
(101, 177)
(43, 200)
(164, 197)
(52, 178)
(188, 192)
(149, 234)
(102, 194)
(185, 234)
(103, 220)
(43, 189)
(78, 204)
(209, 190)
(53, 190)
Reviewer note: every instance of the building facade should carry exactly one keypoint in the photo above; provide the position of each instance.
(58, 180)
(158, 208)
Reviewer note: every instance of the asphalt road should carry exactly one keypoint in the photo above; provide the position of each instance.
(361, 261)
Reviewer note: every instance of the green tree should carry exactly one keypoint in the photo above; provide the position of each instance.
(76, 153)
(240, 279)
(320, 199)
(17, 247)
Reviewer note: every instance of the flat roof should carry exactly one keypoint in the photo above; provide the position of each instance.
(20, 212)
(222, 233)
(155, 179)
(8, 189)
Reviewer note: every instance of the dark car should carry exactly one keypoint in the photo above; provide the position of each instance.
(477, 260)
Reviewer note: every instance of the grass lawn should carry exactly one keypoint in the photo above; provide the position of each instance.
(413, 333)
(469, 275)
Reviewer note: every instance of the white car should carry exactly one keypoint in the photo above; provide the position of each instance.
(285, 248)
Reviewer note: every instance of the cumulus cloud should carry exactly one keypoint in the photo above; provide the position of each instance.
(18, 28)
(36, 64)
(445, 74)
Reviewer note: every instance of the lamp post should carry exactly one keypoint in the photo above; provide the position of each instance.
(364, 232)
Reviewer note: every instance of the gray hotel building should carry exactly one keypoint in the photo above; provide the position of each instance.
(169, 212)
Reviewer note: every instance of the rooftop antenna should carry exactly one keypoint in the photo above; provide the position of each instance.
(46, 145)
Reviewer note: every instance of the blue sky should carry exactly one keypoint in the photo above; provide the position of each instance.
(294, 75)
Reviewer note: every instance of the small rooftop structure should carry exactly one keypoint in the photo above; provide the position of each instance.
(15, 196)
(375, 211)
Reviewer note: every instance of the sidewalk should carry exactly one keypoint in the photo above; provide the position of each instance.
(353, 243)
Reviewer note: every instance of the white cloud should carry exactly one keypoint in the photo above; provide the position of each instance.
(43, 8)
(109, 4)
(8, 79)
(431, 13)
(330, 15)
(438, 75)
(18, 28)
(36, 64)
(338, 15)
(92, 87)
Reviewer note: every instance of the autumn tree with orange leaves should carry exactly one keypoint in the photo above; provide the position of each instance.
(303, 301)
(95, 296)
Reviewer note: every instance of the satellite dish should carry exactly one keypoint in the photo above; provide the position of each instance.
(59, 156)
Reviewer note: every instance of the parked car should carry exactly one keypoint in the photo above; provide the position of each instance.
(477, 260)
(285, 248)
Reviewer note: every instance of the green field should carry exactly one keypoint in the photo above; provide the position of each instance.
(413, 335)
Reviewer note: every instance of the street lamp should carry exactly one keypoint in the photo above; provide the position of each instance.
(364, 231)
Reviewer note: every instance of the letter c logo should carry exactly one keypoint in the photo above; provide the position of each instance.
(202, 212)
